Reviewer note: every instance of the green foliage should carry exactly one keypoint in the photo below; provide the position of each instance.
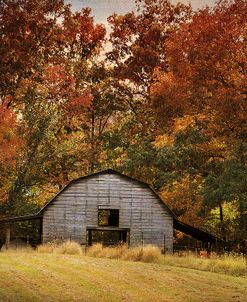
(212, 223)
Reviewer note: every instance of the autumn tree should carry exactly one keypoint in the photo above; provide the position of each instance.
(10, 143)
(138, 41)
(206, 81)
(185, 73)
(35, 34)
(106, 107)
(44, 49)
(207, 68)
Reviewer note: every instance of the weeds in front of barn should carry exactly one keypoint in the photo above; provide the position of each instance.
(227, 263)
(67, 247)
(148, 253)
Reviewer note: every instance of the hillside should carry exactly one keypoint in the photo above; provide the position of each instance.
(50, 277)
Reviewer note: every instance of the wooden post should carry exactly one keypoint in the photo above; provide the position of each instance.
(164, 244)
(7, 239)
(41, 230)
(86, 243)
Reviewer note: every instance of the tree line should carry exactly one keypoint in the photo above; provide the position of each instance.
(166, 105)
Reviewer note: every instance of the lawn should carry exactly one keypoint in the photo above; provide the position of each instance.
(53, 277)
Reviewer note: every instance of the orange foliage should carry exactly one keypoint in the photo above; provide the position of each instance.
(184, 199)
(207, 69)
(10, 145)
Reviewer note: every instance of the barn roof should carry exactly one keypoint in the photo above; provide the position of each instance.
(107, 171)
(195, 232)
(21, 218)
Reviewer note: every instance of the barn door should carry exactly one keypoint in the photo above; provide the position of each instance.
(107, 237)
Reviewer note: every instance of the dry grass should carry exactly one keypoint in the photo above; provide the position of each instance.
(230, 264)
(46, 248)
(67, 247)
(19, 249)
(147, 253)
(97, 250)
(36, 277)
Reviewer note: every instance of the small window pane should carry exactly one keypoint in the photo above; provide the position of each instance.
(108, 217)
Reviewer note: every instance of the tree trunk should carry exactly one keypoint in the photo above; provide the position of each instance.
(7, 238)
(92, 143)
(242, 221)
(222, 227)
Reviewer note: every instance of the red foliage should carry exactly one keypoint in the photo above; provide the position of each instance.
(36, 34)
(207, 64)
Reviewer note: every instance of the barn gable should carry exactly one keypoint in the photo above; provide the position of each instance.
(97, 174)
(141, 214)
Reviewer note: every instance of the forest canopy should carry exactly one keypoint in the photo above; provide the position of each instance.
(166, 104)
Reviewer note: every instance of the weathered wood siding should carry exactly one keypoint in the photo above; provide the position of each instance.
(140, 210)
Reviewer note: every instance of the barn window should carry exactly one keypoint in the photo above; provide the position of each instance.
(108, 217)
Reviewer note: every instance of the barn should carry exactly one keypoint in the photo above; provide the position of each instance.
(111, 208)
(108, 207)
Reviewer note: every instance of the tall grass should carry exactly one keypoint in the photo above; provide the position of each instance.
(67, 247)
(230, 264)
(148, 253)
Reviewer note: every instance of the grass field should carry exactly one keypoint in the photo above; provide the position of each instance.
(54, 277)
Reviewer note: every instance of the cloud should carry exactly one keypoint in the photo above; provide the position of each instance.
(197, 3)
(101, 9)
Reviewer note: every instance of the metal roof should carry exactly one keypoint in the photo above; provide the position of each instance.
(195, 233)
(109, 171)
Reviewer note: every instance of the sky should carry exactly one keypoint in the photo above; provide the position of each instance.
(101, 9)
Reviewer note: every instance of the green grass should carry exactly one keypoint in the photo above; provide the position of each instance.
(57, 277)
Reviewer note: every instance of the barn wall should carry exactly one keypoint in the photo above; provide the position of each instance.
(76, 208)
